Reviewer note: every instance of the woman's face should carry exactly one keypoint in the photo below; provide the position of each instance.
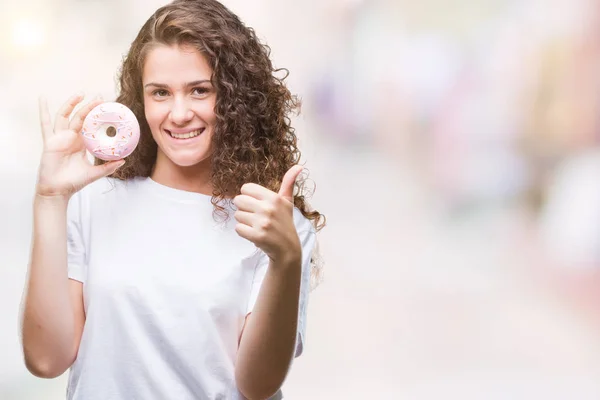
(179, 102)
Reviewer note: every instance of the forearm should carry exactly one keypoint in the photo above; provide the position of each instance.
(268, 342)
(47, 321)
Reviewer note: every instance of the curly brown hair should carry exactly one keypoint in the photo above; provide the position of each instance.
(253, 139)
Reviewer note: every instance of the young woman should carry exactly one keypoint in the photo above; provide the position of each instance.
(183, 271)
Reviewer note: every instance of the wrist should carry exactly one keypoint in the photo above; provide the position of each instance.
(51, 201)
(288, 260)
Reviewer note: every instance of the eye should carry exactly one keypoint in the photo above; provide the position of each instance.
(160, 93)
(201, 91)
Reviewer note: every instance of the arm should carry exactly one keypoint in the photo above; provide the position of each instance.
(269, 336)
(267, 343)
(52, 309)
(52, 313)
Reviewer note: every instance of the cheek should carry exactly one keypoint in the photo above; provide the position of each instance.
(207, 113)
(154, 114)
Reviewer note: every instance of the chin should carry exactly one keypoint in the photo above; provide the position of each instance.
(188, 160)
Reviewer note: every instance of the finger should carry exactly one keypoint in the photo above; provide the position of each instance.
(257, 191)
(247, 203)
(247, 232)
(102, 170)
(245, 217)
(45, 122)
(287, 184)
(76, 123)
(62, 117)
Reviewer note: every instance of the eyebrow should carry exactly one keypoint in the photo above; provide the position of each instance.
(164, 86)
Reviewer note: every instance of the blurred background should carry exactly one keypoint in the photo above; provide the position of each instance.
(455, 147)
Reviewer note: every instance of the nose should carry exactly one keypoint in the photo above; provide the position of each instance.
(181, 113)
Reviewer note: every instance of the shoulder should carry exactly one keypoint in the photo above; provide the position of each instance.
(303, 224)
(306, 231)
(108, 187)
(104, 193)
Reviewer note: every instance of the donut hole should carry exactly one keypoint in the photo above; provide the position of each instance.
(111, 131)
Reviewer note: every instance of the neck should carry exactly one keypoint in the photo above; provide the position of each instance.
(195, 178)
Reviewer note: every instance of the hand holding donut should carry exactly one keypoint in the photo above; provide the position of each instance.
(64, 166)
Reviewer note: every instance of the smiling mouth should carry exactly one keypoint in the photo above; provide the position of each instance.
(188, 135)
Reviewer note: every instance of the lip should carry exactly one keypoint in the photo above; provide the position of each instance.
(183, 141)
(182, 131)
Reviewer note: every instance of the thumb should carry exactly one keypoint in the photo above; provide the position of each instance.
(287, 184)
(102, 170)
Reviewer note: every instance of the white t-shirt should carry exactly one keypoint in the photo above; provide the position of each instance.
(166, 292)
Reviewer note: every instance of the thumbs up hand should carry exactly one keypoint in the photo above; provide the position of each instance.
(266, 219)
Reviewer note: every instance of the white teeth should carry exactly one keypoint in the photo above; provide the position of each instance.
(186, 135)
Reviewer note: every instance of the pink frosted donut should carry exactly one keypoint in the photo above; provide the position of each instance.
(111, 131)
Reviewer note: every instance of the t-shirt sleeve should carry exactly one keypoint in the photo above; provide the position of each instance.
(76, 258)
(307, 236)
